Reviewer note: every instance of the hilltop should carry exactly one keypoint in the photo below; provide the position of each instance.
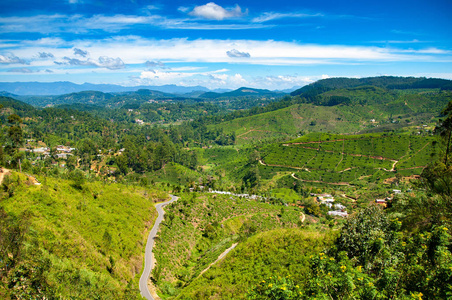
(243, 92)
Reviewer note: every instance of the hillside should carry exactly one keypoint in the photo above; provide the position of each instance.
(199, 227)
(351, 110)
(279, 252)
(243, 92)
(389, 82)
(344, 191)
(351, 159)
(86, 238)
(290, 121)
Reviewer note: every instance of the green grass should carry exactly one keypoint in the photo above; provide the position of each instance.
(279, 252)
(198, 228)
(289, 122)
(94, 238)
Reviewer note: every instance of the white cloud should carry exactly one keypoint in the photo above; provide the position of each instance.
(155, 64)
(102, 62)
(268, 16)
(183, 9)
(11, 59)
(137, 50)
(59, 23)
(213, 11)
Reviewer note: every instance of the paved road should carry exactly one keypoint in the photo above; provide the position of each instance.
(148, 261)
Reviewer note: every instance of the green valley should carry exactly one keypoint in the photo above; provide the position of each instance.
(340, 190)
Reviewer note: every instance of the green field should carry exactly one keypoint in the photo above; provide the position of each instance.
(349, 158)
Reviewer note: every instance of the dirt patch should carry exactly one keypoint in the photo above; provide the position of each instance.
(3, 173)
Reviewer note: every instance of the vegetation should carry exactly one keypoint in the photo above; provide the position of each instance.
(263, 181)
(65, 238)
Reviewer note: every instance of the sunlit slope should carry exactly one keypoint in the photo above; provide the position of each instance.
(290, 121)
(351, 158)
(285, 252)
(89, 239)
(342, 110)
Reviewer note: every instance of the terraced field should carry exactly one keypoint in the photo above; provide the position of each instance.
(334, 158)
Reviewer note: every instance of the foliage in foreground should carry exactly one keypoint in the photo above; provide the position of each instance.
(263, 257)
(64, 240)
(374, 259)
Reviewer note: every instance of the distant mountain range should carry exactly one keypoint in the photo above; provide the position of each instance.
(241, 92)
(65, 87)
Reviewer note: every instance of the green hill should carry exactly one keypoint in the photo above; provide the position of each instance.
(280, 252)
(389, 82)
(242, 92)
(200, 226)
(344, 110)
(355, 159)
(73, 240)
(290, 121)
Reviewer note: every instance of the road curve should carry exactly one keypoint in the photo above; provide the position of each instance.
(148, 261)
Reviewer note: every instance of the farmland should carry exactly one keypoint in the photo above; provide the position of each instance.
(350, 158)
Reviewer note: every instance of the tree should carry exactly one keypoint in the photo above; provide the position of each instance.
(14, 134)
(444, 129)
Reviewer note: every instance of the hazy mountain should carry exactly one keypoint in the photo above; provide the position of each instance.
(243, 91)
(65, 87)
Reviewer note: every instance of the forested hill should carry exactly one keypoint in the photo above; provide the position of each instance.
(241, 92)
(388, 82)
(19, 107)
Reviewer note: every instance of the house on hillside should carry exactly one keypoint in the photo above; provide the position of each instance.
(338, 213)
(325, 198)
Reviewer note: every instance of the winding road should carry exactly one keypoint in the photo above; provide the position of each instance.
(149, 262)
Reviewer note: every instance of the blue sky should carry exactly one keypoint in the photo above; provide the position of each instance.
(222, 44)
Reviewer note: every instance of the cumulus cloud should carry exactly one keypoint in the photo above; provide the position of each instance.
(103, 62)
(11, 59)
(48, 71)
(45, 55)
(80, 52)
(237, 53)
(214, 11)
(20, 70)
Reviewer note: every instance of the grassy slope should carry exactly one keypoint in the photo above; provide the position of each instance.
(366, 103)
(84, 232)
(197, 229)
(319, 156)
(290, 121)
(281, 251)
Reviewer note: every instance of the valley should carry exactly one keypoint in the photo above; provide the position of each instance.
(339, 190)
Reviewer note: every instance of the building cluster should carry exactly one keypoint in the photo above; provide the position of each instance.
(335, 209)
(61, 152)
